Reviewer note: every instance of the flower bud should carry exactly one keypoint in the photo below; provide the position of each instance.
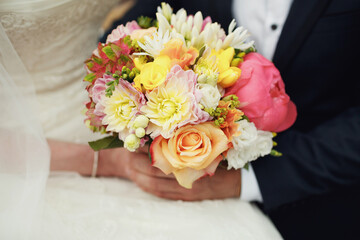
(141, 121)
(229, 77)
(132, 142)
(140, 132)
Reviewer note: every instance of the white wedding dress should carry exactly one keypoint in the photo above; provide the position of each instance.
(52, 39)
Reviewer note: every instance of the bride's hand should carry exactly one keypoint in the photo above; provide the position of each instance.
(224, 184)
(115, 162)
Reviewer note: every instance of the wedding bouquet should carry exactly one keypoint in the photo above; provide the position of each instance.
(197, 95)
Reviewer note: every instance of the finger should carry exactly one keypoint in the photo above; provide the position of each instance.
(178, 196)
(144, 166)
(155, 184)
(143, 149)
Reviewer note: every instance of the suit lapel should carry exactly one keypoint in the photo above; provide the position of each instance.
(302, 16)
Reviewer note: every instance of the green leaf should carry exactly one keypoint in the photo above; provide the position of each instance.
(106, 143)
(98, 60)
(109, 53)
(201, 52)
(246, 166)
(146, 22)
(90, 65)
(117, 50)
(90, 77)
(149, 143)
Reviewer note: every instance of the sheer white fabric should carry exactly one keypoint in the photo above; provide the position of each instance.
(24, 155)
(53, 38)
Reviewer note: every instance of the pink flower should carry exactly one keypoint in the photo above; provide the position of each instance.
(97, 92)
(205, 22)
(261, 92)
(174, 103)
(99, 87)
(94, 119)
(190, 78)
(122, 31)
(131, 26)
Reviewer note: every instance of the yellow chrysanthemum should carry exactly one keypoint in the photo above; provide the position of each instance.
(121, 108)
(171, 105)
(206, 68)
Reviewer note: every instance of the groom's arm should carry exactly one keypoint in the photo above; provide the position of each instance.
(322, 160)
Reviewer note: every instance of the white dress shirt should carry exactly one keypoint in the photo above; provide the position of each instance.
(264, 19)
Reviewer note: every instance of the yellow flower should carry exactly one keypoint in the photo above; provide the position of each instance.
(206, 68)
(224, 58)
(121, 108)
(171, 105)
(153, 74)
(228, 75)
(139, 62)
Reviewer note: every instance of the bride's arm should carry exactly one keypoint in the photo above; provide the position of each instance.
(79, 158)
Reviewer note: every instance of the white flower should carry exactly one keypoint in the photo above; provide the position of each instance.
(247, 137)
(237, 38)
(154, 44)
(165, 10)
(264, 143)
(193, 31)
(132, 142)
(237, 159)
(249, 145)
(210, 95)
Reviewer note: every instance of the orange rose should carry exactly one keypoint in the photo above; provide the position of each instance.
(191, 153)
(179, 54)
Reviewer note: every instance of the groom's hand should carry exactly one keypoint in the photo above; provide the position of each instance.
(224, 184)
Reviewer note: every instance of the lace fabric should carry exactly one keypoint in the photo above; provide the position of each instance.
(52, 39)
(53, 42)
(101, 208)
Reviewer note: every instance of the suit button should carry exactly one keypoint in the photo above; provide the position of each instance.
(273, 26)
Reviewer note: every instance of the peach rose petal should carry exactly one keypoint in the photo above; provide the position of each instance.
(158, 158)
(167, 153)
(218, 141)
(187, 176)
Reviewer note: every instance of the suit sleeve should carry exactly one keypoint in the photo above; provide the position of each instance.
(316, 162)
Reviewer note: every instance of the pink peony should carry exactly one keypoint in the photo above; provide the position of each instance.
(122, 31)
(261, 92)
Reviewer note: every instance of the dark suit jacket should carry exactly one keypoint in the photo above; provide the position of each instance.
(318, 56)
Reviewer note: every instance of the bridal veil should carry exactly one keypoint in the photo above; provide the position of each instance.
(24, 154)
